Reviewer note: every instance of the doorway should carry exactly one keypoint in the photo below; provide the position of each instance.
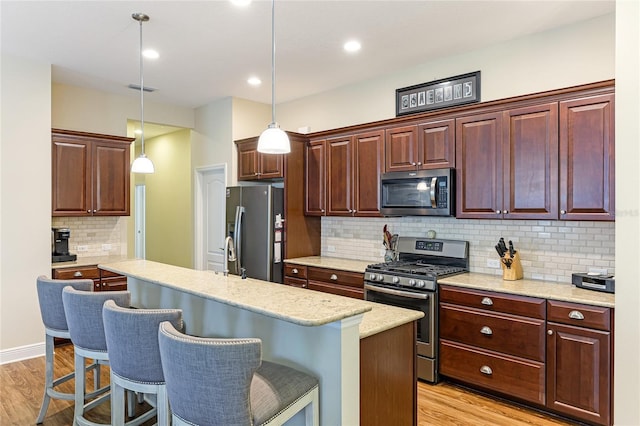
(210, 203)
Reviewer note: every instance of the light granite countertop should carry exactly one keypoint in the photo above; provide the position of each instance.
(533, 288)
(89, 261)
(331, 263)
(300, 306)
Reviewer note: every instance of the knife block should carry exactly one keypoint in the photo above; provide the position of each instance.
(515, 271)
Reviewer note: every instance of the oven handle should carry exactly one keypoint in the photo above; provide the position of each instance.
(408, 294)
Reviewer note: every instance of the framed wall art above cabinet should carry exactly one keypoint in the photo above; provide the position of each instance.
(90, 174)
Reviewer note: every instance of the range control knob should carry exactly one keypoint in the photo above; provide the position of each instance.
(412, 283)
(372, 277)
(396, 280)
(420, 284)
(380, 277)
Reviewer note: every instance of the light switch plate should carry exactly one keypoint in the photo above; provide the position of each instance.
(493, 263)
(82, 248)
(106, 247)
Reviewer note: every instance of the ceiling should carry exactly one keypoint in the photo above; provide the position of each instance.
(208, 49)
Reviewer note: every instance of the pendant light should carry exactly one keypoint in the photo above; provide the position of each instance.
(273, 140)
(142, 164)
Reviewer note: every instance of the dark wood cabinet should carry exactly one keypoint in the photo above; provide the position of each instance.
(295, 275)
(579, 361)
(90, 174)
(334, 281)
(508, 164)
(102, 280)
(253, 165)
(315, 178)
(369, 157)
(430, 145)
(340, 164)
(587, 158)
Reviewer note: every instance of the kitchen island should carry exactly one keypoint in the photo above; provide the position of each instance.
(318, 333)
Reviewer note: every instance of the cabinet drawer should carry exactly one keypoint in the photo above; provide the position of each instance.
(336, 289)
(351, 279)
(515, 377)
(494, 302)
(118, 282)
(510, 334)
(295, 282)
(293, 270)
(597, 317)
(81, 272)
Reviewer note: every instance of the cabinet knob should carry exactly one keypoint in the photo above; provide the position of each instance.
(563, 212)
(486, 301)
(94, 210)
(77, 274)
(88, 211)
(413, 164)
(304, 286)
(294, 270)
(104, 284)
(419, 163)
(321, 210)
(256, 174)
(576, 315)
(485, 369)
(486, 330)
(498, 211)
(333, 277)
(550, 332)
(505, 211)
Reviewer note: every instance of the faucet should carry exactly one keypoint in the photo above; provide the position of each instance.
(229, 254)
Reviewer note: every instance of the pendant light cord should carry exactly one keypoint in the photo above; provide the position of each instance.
(273, 61)
(141, 93)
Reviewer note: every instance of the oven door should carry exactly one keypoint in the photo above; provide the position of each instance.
(419, 301)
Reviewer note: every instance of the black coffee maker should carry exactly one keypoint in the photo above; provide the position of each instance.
(60, 245)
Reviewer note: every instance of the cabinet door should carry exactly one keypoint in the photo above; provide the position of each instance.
(270, 166)
(579, 373)
(436, 144)
(530, 161)
(248, 161)
(401, 149)
(340, 176)
(111, 179)
(369, 163)
(479, 166)
(587, 159)
(315, 178)
(71, 177)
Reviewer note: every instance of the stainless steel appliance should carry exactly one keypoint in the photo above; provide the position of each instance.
(598, 282)
(411, 282)
(60, 245)
(418, 193)
(255, 223)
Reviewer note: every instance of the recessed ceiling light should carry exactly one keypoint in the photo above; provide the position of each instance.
(150, 54)
(352, 46)
(241, 3)
(254, 81)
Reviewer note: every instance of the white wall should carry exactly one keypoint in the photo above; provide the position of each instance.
(627, 319)
(212, 139)
(577, 54)
(25, 200)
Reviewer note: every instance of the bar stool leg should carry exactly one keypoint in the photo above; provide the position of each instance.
(48, 381)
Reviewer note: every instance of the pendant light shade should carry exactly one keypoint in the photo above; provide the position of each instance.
(273, 140)
(142, 164)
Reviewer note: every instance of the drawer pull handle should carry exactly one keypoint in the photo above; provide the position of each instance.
(576, 315)
(487, 301)
(486, 330)
(485, 369)
(77, 274)
(333, 277)
(294, 270)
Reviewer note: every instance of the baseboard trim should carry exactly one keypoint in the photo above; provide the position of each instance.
(21, 352)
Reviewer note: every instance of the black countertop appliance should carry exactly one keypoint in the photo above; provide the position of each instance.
(60, 245)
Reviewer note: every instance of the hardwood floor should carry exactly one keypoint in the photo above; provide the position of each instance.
(440, 405)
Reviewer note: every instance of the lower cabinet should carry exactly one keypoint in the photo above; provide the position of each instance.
(102, 280)
(550, 354)
(335, 281)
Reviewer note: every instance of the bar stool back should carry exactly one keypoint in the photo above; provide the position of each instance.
(84, 316)
(223, 382)
(134, 356)
(55, 325)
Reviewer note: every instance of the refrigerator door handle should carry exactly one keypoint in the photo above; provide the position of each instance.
(237, 237)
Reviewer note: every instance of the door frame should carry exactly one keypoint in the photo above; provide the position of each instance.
(139, 225)
(198, 229)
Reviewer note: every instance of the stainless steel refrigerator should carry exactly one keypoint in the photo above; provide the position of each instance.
(255, 222)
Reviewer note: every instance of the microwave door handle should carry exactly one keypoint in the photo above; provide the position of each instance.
(432, 192)
(238, 238)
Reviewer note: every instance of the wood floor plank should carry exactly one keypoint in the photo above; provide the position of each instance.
(445, 404)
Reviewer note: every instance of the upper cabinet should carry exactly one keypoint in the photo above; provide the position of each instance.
(429, 145)
(587, 159)
(343, 175)
(253, 165)
(90, 174)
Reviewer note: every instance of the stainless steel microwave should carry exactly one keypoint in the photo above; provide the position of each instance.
(418, 193)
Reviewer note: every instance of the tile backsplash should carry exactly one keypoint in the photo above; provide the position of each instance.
(549, 250)
(95, 235)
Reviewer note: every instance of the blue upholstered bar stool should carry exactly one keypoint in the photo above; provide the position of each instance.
(84, 316)
(55, 325)
(224, 382)
(134, 357)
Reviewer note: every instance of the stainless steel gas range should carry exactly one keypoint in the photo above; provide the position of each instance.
(411, 282)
